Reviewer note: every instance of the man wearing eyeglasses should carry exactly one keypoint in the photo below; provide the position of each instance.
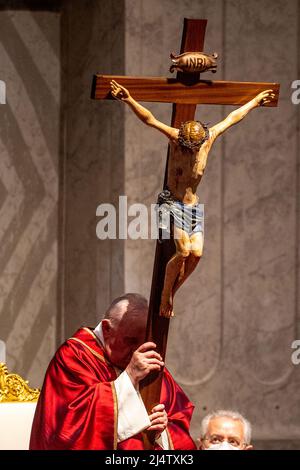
(225, 430)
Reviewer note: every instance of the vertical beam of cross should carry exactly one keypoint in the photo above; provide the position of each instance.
(157, 326)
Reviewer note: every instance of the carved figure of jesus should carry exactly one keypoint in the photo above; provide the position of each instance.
(189, 149)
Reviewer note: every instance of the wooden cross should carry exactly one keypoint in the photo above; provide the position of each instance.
(185, 92)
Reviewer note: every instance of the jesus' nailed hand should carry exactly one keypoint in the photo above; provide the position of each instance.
(189, 149)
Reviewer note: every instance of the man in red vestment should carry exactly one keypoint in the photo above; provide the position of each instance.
(90, 397)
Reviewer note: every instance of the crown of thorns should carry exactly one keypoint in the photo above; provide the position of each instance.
(196, 143)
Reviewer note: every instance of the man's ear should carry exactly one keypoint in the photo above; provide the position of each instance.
(249, 447)
(106, 327)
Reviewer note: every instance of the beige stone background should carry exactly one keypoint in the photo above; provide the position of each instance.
(61, 155)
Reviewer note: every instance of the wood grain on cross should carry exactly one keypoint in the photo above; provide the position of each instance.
(185, 92)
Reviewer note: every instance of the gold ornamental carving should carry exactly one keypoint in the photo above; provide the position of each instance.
(14, 388)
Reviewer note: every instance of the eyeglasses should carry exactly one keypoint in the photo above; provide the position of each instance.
(219, 439)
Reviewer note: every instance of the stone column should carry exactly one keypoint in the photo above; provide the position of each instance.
(93, 161)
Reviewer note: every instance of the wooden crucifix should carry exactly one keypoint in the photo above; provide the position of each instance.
(185, 92)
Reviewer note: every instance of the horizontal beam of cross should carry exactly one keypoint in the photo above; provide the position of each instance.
(170, 90)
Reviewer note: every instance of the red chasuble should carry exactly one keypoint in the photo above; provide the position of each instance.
(77, 407)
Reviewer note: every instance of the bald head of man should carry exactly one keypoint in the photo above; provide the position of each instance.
(124, 328)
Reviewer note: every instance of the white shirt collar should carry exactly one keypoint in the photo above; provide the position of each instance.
(99, 333)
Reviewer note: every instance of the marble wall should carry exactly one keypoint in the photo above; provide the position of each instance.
(239, 312)
(29, 155)
(93, 164)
